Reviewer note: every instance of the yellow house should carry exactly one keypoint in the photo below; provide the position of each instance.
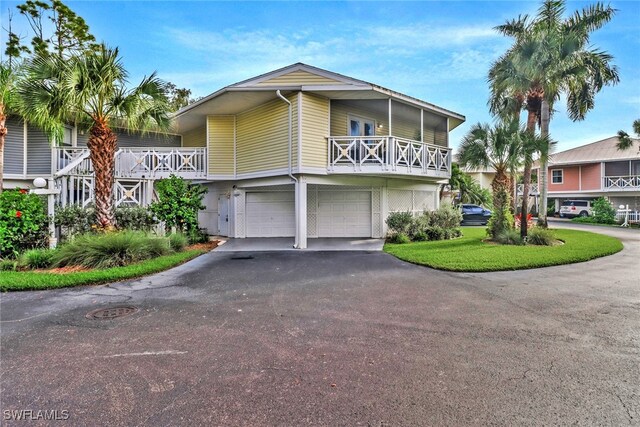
(303, 152)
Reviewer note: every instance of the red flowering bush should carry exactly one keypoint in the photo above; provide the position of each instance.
(529, 221)
(23, 222)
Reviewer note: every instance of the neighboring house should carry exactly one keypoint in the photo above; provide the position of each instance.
(303, 152)
(298, 152)
(483, 176)
(596, 170)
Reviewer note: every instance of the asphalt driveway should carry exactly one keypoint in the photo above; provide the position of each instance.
(333, 338)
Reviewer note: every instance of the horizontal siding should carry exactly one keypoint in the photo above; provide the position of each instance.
(341, 110)
(315, 129)
(440, 138)
(262, 137)
(298, 78)
(405, 121)
(221, 133)
(195, 138)
(14, 146)
(136, 139)
(38, 152)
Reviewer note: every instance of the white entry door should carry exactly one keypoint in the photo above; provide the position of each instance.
(344, 213)
(271, 214)
(223, 215)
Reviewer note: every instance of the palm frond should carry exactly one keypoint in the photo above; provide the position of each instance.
(624, 141)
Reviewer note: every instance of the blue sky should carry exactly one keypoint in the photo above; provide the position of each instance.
(436, 51)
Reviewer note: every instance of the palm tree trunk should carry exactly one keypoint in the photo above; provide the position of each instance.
(544, 166)
(3, 135)
(526, 176)
(102, 146)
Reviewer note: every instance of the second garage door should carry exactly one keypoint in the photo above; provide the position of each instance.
(271, 214)
(344, 214)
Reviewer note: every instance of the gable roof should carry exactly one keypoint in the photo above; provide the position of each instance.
(303, 77)
(604, 150)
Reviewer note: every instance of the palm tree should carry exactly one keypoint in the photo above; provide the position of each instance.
(624, 140)
(498, 148)
(552, 56)
(8, 103)
(90, 89)
(469, 191)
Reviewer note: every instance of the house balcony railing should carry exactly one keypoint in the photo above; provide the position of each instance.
(140, 163)
(624, 183)
(387, 154)
(534, 190)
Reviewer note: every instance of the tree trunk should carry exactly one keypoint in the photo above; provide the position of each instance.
(102, 146)
(543, 182)
(531, 127)
(3, 134)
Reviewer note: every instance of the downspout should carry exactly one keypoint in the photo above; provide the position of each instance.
(295, 244)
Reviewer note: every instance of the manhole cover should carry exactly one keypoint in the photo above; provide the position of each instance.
(112, 312)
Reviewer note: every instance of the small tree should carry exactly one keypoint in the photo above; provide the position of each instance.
(603, 211)
(178, 203)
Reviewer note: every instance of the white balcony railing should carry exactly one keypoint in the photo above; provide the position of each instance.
(380, 154)
(533, 189)
(142, 163)
(627, 182)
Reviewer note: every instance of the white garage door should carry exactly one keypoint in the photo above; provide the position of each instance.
(344, 214)
(271, 214)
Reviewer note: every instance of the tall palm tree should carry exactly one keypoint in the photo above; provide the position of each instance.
(498, 148)
(552, 56)
(8, 103)
(90, 89)
(624, 140)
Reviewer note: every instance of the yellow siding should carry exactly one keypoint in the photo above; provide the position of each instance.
(429, 135)
(404, 128)
(298, 78)
(340, 112)
(221, 130)
(440, 138)
(262, 137)
(195, 138)
(315, 129)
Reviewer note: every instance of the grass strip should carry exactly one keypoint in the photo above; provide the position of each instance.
(28, 280)
(470, 254)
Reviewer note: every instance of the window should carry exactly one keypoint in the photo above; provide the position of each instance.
(556, 176)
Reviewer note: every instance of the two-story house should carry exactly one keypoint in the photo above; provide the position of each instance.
(303, 152)
(596, 170)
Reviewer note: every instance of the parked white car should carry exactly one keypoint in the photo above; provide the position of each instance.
(573, 208)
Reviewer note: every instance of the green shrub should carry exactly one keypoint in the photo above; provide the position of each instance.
(8, 265)
(446, 217)
(551, 210)
(74, 220)
(178, 203)
(178, 241)
(399, 238)
(197, 235)
(603, 211)
(585, 220)
(23, 222)
(420, 236)
(136, 218)
(399, 222)
(509, 237)
(110, 250)
(36, 258)
(501, 217)
(540, 236)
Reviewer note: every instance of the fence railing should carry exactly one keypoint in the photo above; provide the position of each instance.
(533, 189)
(387, 154)
(143, 163)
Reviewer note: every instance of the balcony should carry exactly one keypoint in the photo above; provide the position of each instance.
(138, 163)
(621, 183)
(387, 154)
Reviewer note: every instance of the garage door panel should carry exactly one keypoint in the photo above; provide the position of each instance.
(344, 214)
(270, 214)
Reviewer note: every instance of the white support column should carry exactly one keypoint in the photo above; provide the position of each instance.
(421, 125)
(25, 159)
(301, 212)
(390, 130)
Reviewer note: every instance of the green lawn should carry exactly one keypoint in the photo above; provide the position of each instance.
(470, 253)
(27, 280)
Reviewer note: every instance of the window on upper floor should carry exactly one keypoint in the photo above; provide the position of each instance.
(556, 176)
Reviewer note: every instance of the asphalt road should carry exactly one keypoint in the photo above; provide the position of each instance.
(331, 338)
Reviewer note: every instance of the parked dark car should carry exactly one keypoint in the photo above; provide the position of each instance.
(475, 215)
